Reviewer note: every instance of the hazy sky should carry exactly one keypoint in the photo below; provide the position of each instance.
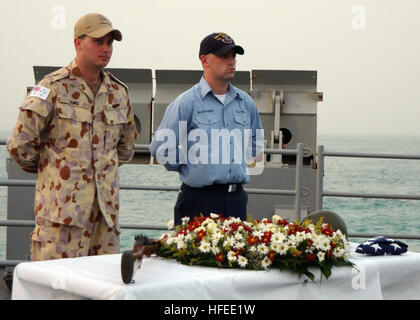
(366, 52)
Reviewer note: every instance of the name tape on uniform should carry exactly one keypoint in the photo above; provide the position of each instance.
(40, 92)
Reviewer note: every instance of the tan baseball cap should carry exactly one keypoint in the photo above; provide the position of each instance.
(95, 25)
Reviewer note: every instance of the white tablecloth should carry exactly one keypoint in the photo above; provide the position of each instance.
(99, 277)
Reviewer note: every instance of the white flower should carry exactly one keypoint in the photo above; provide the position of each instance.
(206, 222)
(214, 215)
(170, 240)
(292, 240)
(257, 234)
(242, 261)
(215, 250)
(283, 247)
(201, 228)
(180, 237)
(180, 244)
(262, 248)
(238, 236)
(188, 237)
(346, 254)
(232, 256)
(276, 218)
(227, 222)
(263, 227)
(235, 220)
(265, 263)
(323, 244)
(216, 236)
(300, 236)
(252, 249)
(248, 224)
(171, 224)
(278, 237)
(239, 245)
(338, 252)
(321, 256)
(205, 246)
(275, 246)
(229, 242)
(185, 220)
(215, 242)
(212, 227)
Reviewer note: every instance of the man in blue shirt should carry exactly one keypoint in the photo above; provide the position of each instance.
(210, 134)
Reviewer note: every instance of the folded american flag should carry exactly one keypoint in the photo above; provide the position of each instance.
(380, 246)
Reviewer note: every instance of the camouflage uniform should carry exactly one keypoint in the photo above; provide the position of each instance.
(75, 142)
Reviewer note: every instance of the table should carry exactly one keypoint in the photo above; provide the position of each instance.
(99, 277)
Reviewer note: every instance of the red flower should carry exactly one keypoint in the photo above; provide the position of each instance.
(193, 225)
(329, 254)
(247, 229)
(220, 257)
(266, 238)
(327, 230)
(233, 227)
(292, 229)
(310, 257)
(282, 223)
(252, 240)
(201, 234)
(271, 255)
(237, 251)
(183, 231)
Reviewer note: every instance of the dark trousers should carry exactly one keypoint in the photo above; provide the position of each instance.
(217, 199)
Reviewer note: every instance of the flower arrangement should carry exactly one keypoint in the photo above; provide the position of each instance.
(257, 245)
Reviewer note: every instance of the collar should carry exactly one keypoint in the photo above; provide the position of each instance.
(77, 80)
(205, 88)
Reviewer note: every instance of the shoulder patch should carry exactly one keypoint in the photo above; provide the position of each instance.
(40, 92)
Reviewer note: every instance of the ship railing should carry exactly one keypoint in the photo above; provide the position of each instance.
(321, 193)
(298, 192)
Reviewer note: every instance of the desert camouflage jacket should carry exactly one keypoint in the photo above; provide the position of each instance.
(75, 142)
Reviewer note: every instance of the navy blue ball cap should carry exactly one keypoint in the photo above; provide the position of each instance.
(218, 43)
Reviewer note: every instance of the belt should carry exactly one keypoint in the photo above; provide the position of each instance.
(222, 187)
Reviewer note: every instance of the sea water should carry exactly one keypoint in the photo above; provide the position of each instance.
(341, 175)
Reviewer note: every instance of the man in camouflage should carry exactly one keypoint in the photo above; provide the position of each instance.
(74, 129)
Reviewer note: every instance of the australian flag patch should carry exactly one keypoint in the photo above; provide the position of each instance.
(380, 246)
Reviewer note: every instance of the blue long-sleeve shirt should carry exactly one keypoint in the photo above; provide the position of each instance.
(208, 141)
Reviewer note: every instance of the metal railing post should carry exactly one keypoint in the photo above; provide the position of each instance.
(319, 178)
(298, 181)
